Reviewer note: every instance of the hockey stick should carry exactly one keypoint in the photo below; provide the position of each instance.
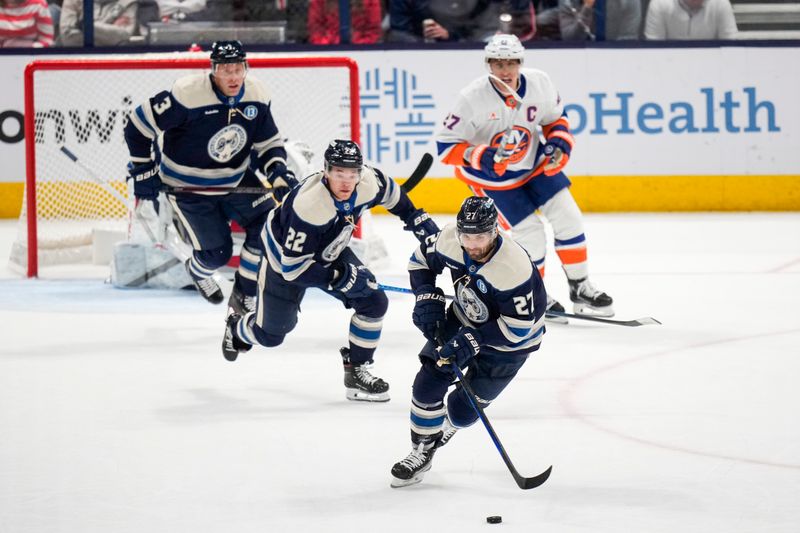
(227, 190)
(110, 190)
(523, 482)
(644, 321)
(502, 152)
(422, 169)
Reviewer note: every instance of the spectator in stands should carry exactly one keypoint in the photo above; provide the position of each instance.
(690, 19)
(567, 20)
(293, 13)
(323, 21)
(623, 19)
(25, 24)
(179, 10)
(114, 22)
(458, 20)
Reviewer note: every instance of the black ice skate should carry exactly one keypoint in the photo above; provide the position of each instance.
(589, 300)
(553, 305)
(240, 303)
(360, 384)
(207, 287)
(232, 345)
(411, 470)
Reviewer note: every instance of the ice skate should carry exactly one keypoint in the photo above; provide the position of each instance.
(207, 287)
(240, 303)
(589, 300)
(448, 430)
(360, 384)
(232, 345)
(554, 305)
(411, 470)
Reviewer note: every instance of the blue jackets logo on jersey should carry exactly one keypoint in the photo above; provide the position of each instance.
(226, 143)
(473, 307)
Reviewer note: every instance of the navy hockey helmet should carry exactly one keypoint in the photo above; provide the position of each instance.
(227, 52)
(343, 153)
(477, 215)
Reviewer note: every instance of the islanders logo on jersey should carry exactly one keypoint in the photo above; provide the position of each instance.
(227, 142)
(519, 142)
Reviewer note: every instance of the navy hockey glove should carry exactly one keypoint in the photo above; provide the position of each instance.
(481, 158)
(146, 181)
(282, 180)
(421, 224)
(464, 345)
(429, 311)
(556, 152)
(354, 281)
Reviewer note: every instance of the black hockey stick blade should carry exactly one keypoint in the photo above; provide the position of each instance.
(420, 172)
(644, 321)
(526, 483)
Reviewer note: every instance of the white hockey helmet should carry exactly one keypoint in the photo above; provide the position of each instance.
(504, 46)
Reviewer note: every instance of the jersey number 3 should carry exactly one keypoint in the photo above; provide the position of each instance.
(163, 106)
(295, 240)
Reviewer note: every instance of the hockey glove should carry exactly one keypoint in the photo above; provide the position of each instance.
(481, 158)
(556, 151)
(354, 281)
(429, 310)
(421, 224)
(146, 181)
(282, 180)
(464, 345)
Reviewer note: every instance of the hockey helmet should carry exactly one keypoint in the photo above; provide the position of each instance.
(343, 153)
(227, 52)
(478, 214)
(504, 46)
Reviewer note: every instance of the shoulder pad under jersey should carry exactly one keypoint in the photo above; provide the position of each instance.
(313, 202)
(194, 91)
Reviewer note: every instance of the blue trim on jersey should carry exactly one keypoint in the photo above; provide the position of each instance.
(366, 334)
(140, 113)
(427, 422)
(575, 240)
(528, 339)
(196, 180)
(538, 262)
(519, 332)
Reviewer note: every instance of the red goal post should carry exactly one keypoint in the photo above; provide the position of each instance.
(75, 104)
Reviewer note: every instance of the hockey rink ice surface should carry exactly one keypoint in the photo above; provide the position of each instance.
(119, 414)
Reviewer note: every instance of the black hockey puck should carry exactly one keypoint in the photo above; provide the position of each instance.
(494, 519)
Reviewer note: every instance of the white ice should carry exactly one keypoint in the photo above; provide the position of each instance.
(119, 414)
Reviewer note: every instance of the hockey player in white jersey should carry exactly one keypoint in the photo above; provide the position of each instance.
(493, 136)
(212, 131)
(493, 324)
(306, 245)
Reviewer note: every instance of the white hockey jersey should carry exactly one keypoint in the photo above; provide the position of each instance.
(481, 116)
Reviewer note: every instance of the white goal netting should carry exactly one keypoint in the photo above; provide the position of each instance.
(80, 107)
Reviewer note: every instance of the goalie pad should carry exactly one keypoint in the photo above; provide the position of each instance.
(138, 266)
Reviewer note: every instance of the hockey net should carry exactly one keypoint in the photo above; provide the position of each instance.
(80, 107)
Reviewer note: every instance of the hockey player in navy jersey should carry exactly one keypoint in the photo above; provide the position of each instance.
(493, 324)
(212, 131)
(306, 245)
(529, 178)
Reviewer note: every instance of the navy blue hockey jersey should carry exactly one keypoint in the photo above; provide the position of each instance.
(503, 298)
(311, 228)
(207, 136)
